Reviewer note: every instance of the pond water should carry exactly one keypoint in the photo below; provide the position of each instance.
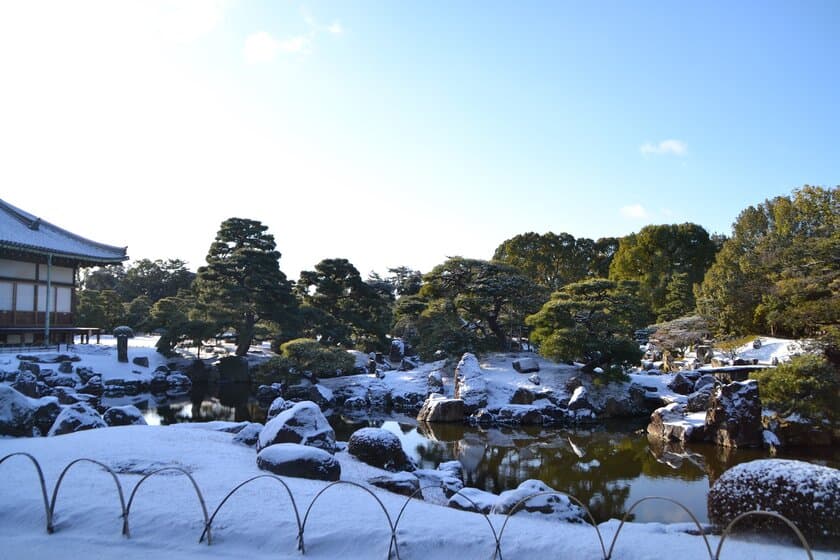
(608, 467)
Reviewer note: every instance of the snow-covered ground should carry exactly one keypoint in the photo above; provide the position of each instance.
(257, 522)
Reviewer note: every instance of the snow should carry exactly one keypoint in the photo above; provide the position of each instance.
(15, 229)
(258, 522)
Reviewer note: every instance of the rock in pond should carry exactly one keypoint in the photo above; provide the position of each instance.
(438, 408)
(379, 448)
(128, 415)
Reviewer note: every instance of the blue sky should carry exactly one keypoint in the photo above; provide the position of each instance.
(394, 133)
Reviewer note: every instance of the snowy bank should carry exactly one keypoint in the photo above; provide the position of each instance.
(257, 522)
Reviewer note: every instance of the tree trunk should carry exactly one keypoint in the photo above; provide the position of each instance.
(245, 335)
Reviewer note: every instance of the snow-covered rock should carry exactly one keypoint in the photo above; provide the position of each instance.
(522, 395)
(403, 483)
(671, 423)
(300, 461)
(304, 423)
(471, 387)
(699, 400)
(438, 408)
(379, 448)
(26, 384)
(277, 406)
(807, 494)
(76, 418)
(473, 499)
(681, 384)
(249, 434)
(526, 365)
(519, 414)
(24, 416)
(734, 415)
(128, 415)
(556, 505)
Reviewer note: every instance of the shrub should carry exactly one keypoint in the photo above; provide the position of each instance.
(306, 354)
(807, 385)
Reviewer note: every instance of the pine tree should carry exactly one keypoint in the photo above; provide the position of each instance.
(242, 282)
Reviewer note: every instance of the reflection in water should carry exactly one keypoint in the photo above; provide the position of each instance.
(608, 467)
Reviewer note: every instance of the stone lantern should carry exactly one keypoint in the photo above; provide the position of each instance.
(123, 333)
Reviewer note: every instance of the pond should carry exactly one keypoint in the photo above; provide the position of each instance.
(607, 467)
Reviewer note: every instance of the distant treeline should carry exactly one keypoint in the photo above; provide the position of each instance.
(777, 273)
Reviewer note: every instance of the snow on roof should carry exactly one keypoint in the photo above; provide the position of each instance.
(21, 231)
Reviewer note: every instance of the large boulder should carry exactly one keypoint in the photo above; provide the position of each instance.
(76, 418)
(24, 416)
(522, 395)
(734, 415)
(470, 385)
(681, 384)
(128, 415)
(699, 401)
(27, 383)
(526, 365)
(805, 493)
(379, 448)
(438, 408)
(304, 423)
(671, 423)
(300, 461)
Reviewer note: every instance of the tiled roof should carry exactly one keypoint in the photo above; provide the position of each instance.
(21, 231)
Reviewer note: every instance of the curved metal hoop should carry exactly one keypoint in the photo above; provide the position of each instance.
(197, 492)
(524, 500)
(232, 492)
(47, 511)
(123, 510)
(772, 514)
(637, 502)
(430, 486)
(393, 543)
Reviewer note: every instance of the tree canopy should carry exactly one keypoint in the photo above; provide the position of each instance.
(554, 260)
(666, 261)
(242, 282)
(487, 300)
(340, 308)
(780, 270)
(592, 321)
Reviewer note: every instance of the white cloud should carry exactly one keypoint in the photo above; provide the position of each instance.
(299, 44)
(636, 211)
(335, 28)
(260, 47)
(666, 147)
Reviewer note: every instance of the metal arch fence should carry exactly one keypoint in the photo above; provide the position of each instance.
(393, 523)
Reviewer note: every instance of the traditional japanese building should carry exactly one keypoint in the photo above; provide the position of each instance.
(39, 265)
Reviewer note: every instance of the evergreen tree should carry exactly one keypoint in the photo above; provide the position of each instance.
(343, 309)
(242, 282)
(592, 321)
(655, 255)
(489, 299)
(779, 271)
(554, 260)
